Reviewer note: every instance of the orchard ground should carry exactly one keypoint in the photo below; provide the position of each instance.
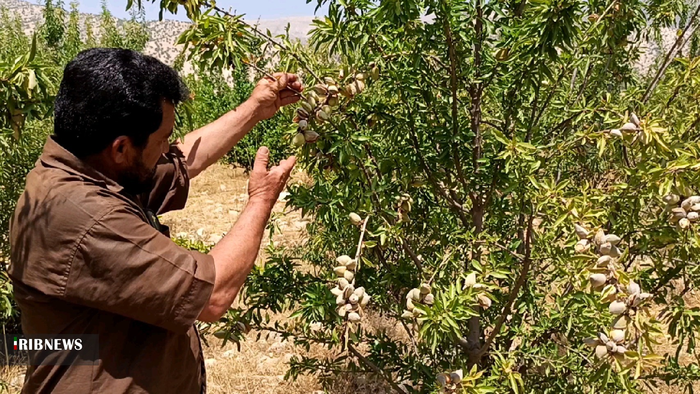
(216, 199)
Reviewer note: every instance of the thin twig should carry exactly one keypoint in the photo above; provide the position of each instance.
(266, 37)
(669, 56)
(272, 77)
(522, 278)
(359, 244)
(376, 369)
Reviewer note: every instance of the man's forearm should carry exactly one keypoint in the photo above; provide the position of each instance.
(234, 257)
(206, 145)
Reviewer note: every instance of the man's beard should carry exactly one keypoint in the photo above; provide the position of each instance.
(138, 179)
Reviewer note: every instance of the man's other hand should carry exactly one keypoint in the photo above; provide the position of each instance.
(266, 185)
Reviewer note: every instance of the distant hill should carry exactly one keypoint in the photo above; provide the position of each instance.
(164, 34)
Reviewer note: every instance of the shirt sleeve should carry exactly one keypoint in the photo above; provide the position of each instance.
(171, 183)
(124, 266)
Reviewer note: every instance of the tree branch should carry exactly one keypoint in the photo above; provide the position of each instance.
(376, 369)
(669, 57)
(520, 281)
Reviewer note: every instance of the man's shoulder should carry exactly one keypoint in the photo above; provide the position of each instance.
(64, 200)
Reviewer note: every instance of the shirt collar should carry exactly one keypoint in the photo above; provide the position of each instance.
(54, 155)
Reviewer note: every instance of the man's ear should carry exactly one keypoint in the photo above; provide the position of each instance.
(120, 150)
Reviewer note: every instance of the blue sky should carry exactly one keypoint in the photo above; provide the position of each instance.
(264, 9)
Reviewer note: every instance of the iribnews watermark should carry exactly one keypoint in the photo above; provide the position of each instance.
(64, 349)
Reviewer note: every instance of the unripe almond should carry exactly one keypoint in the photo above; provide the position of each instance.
(634, 119)
(443, 380)
(615, 252)
(617, 307)
(409, 305)
(344, 259)
(617, 335)
(603, 261)
(671, 199)
(429, 299)
(353, 299)
(581, 232)
(684, 223)
(348, 291)
(339, 300)
(457, 376)
(593, 342)
(352, 265)
(597, 280)
(628, 127)
(302, 113)
(360, 76)
(605, 248)
(360, 291)
(299, 140)
(365, 300)
(353, 317)
(582, 246)
(425, 288)
(601, 351)
(333, 100)
(612, 239)
(343, 283)
(599, 237)
(414, 295)
(310, 136)
(470, 281)
(616, 133)
(342, 311)
(307, 107)
(340, 271)
(336, 291)
(407, 315)
(374, 73)
(329, 81)
(692, 216)
(620, 323)
(349, 275)
(484, 301)
(303, 124)
(621, 350)
(320, 90)
(355, 219)
(689, 202)
(633, 288)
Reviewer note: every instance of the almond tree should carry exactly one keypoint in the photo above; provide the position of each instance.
(500, 179)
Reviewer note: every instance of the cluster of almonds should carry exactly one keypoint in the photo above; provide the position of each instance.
(482, 299)
(625, 301)
(450, 383)
(606, 245)
(318, 105)
(350, 300)
(421, 295)
(404, 203)
(688, 212)
(633, 126)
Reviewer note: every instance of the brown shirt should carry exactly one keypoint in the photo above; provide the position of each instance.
(87, 258)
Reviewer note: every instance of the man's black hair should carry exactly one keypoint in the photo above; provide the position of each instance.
(106, 93)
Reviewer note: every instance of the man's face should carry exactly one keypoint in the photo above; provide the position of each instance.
(137, 177)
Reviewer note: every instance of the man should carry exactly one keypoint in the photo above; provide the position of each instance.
(88, 254)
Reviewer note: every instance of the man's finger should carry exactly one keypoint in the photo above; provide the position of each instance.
(288, 100)
(285, 80)
(287, 165)
(261, 159)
